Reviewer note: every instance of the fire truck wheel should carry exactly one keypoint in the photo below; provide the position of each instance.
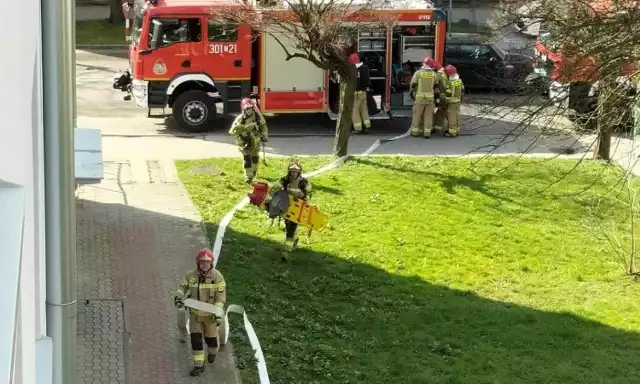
(194, 111)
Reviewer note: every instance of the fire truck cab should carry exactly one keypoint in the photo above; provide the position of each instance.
(181, 57)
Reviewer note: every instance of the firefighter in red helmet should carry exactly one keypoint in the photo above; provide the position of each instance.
(440, 99)
(454, 91)
(250, 130)
(205, 283)
(423, 85)
(360, 114)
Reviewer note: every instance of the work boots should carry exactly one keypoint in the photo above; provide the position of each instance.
(211, 358)
(197, 371)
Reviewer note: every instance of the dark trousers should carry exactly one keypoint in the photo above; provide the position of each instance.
(291, 228)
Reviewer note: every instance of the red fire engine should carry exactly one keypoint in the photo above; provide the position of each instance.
(573, 82)
(181, 57)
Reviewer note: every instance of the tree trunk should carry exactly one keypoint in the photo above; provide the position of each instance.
(603, 147)
(606, 118)
(343, 124)
(115, 12)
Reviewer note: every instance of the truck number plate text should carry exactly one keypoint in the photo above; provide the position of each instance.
(221, 48)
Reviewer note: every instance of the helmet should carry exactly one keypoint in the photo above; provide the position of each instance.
(450, 70)
(437, 65)
(354, 58)
(428, 62)
(205, 254)
(246, 103)
(295, 166)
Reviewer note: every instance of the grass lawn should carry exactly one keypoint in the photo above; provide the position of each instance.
(430, 273)
(99, 32)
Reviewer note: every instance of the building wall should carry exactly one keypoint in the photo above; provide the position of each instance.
(21, 165)
(475, 15)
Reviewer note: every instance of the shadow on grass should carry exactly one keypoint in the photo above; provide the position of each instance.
(448, 182)
(324, 319)
(327, 318)
(326, 189)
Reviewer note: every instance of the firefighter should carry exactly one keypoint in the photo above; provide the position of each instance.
(206, 284)
(298, 186)
(455, 89)
(360, 115)
(423, 84)
(440, 99)
(250, 130)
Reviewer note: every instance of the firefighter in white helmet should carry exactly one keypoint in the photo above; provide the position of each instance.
(205, 283)
(250, 130)
(300, 187)
(423, 84)
(454, 91)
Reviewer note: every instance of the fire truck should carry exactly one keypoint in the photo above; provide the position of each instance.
(571, 82)
(181, 57)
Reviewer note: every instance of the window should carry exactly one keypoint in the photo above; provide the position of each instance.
(475, 51)
(452, 51)
(138, 17)
(218, 31)
(178, 31)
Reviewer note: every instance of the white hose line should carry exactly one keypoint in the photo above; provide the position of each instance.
(222, 228)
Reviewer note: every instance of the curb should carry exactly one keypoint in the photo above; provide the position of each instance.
(102, 46)
(200, 136)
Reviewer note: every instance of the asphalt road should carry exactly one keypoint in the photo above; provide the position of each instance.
(100, 106)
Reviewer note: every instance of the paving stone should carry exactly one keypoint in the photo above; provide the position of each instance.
(137, 233)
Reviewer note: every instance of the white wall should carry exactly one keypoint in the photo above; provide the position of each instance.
(21, 165)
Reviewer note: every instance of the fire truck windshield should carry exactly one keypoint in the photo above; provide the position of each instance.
(139, 10)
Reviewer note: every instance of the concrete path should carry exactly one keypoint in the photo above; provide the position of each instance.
(137, 233)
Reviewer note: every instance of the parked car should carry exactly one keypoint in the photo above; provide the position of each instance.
(483, 64)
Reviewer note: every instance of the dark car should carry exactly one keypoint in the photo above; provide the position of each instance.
(483, 64)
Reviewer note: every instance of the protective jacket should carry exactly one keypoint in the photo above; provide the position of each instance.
(423, 82)
(364, 79)
(443, 79)
(454, 91)
(299, 187)
(210, 288)
(248, 131)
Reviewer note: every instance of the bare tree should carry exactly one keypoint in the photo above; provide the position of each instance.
(595, 44)
(319, 31)
(115, 11)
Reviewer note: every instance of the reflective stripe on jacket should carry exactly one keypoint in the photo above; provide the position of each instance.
(425, 80)
(454, 91)
(248, 130)
(210, 288)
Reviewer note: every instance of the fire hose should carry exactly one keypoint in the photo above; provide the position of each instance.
(234, 308)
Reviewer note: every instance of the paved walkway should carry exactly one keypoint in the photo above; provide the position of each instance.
(137, 232)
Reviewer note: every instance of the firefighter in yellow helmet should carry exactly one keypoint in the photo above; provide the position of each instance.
(250, 130)
(454, 92)
(297, 185)
(441, 101)
(423, 84)
(205, 283)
